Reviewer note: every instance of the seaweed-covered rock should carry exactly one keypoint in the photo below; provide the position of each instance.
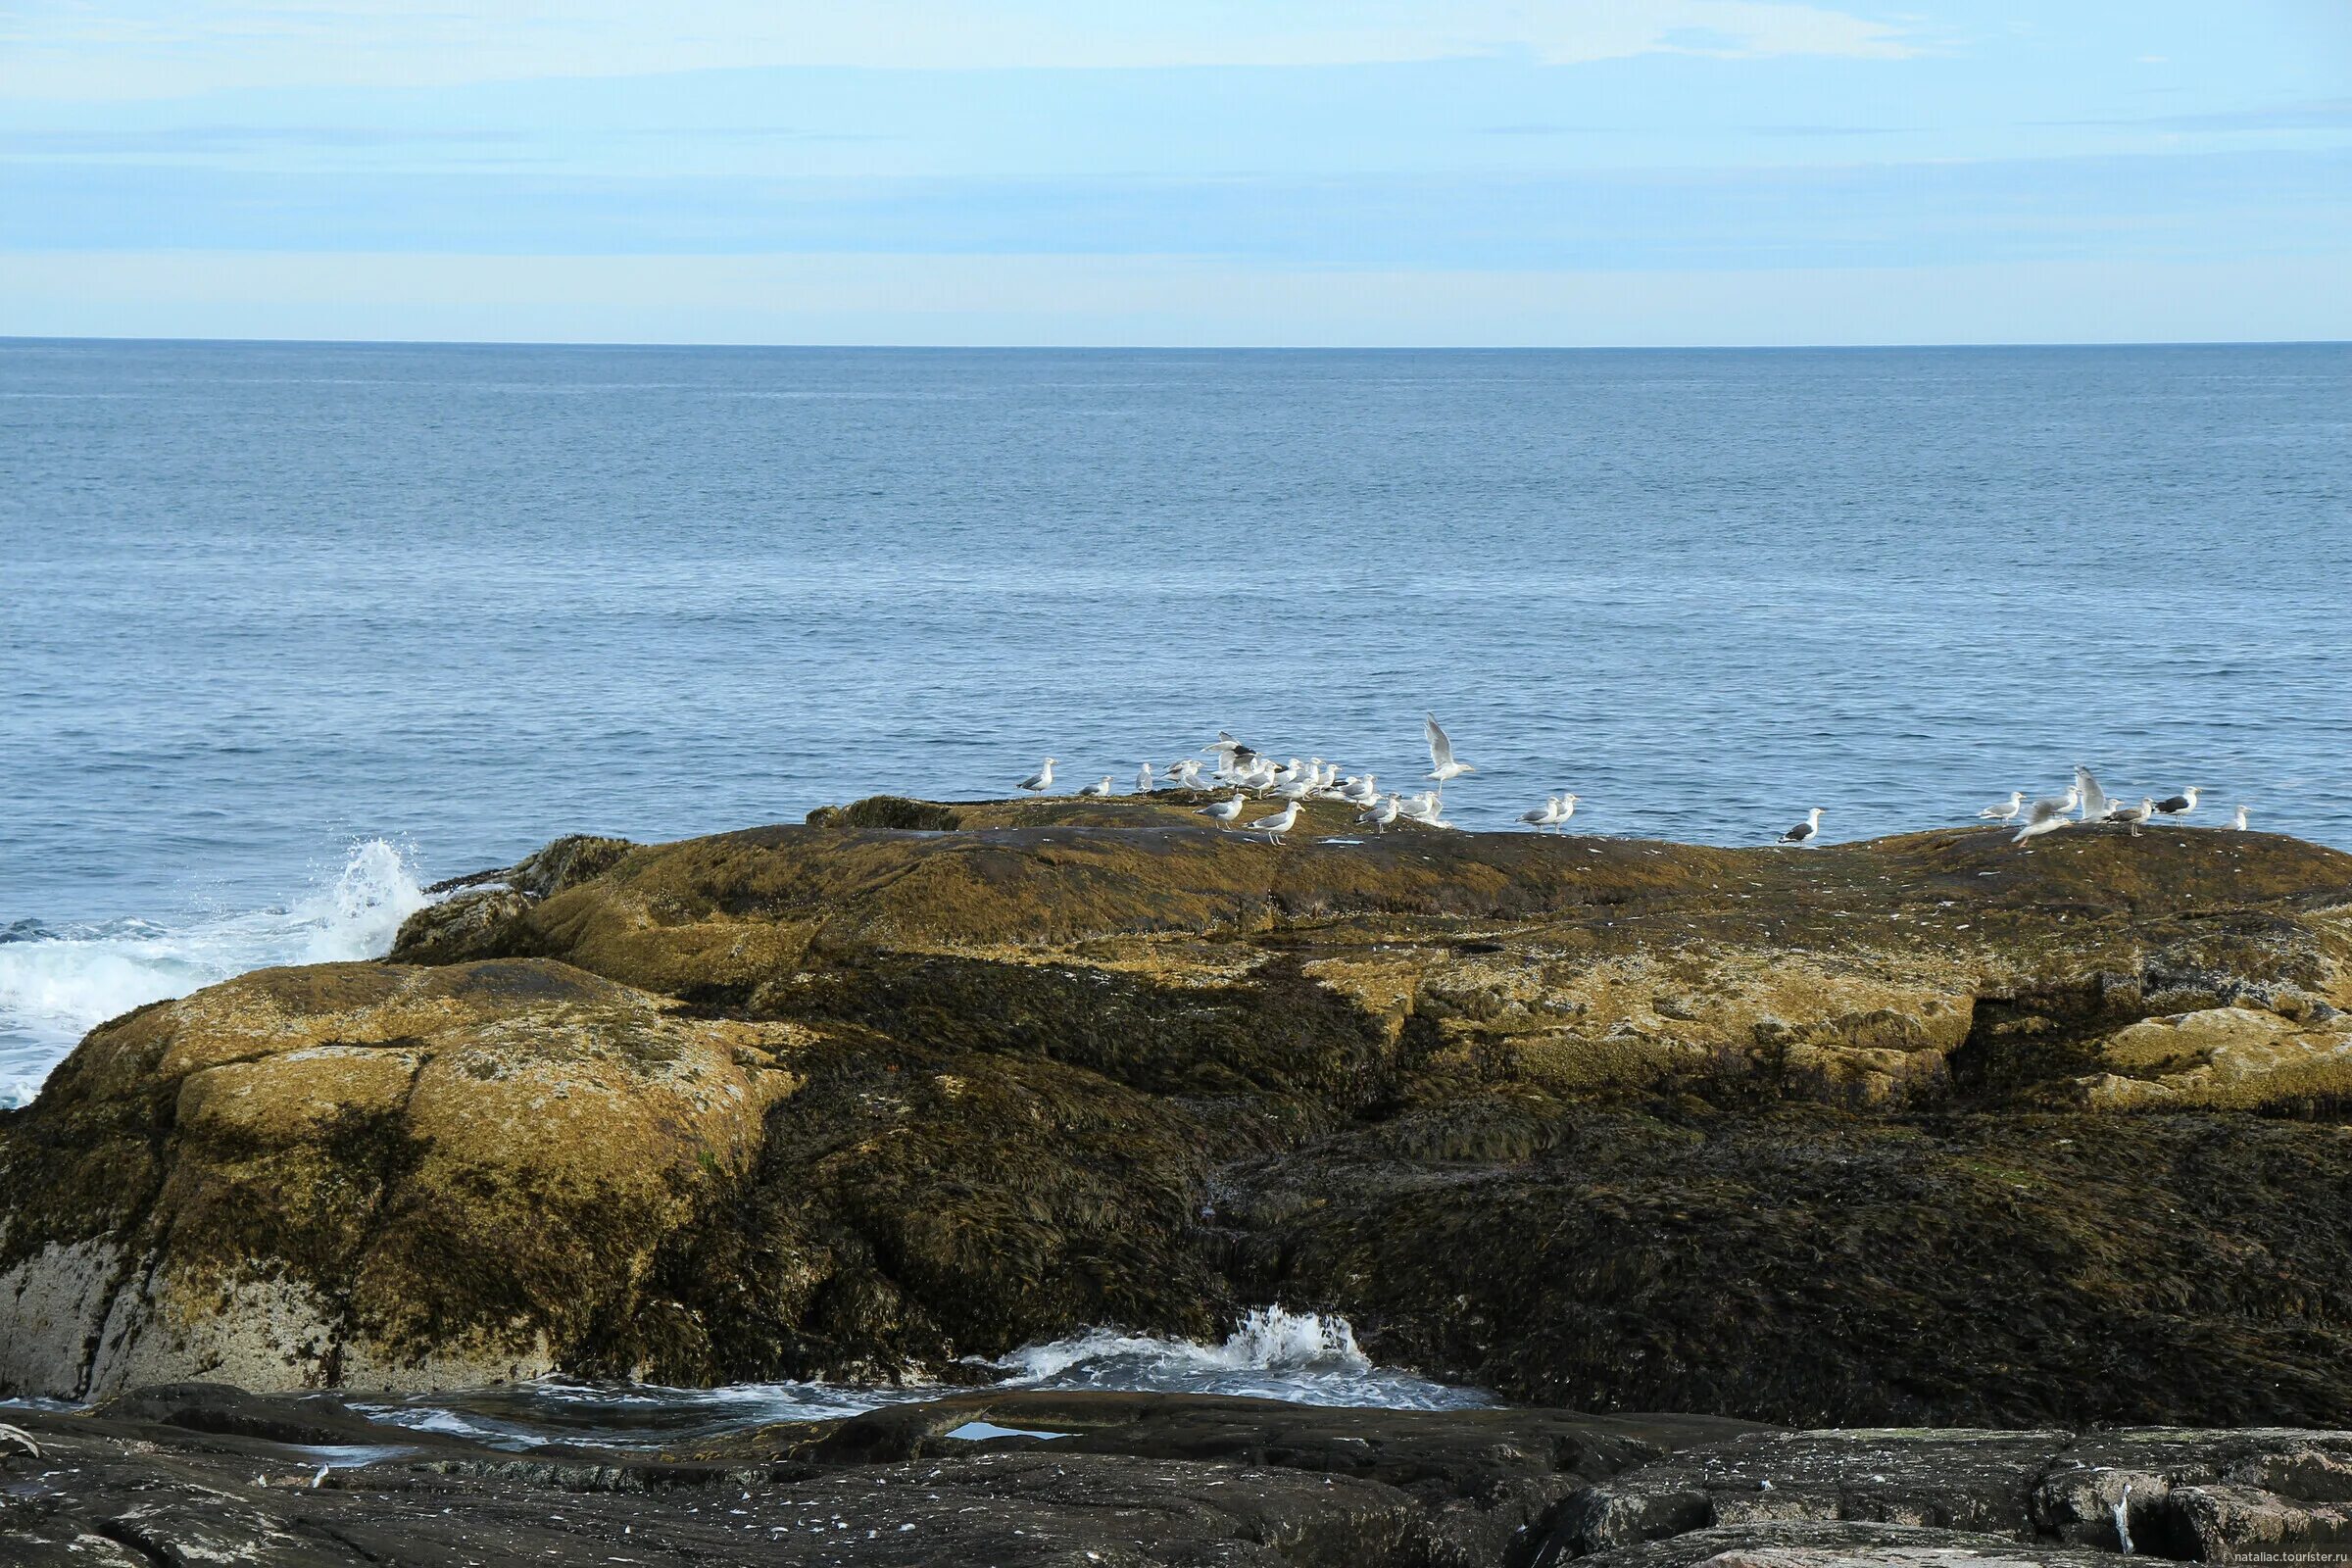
(1814, 1137)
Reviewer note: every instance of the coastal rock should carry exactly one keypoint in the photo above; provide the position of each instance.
(361, 1173)
(1793, 1136)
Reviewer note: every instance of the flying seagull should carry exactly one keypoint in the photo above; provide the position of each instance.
(2179, 805)
(2005, 812)
(1442, 765)
(1042, 779)
(1804, 832)
(2047, 816)
(2096, 806)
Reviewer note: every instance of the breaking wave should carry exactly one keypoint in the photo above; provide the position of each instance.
(59, 982)
(1274, 1354)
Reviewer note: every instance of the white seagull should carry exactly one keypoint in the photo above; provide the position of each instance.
(1804, 831)
(1381, 814)
(1223, 811)
(2096, 806)
(1042, 779)
(1567, 810)
(1185, 774)
(2047, 816)
(2240, 821)
(1442, 765)
(1098, 790)
(2179, 805)
(2005, 812)
(1143, 779)
(1276, 825)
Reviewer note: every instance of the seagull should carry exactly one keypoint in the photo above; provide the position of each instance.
(1297, 789)
(1143, 779)
(1567, 808)
(2096, 806)
(2005, 812)
(1185, 774)
(1804, 831)
(1426, 808)
(1385, 813)
(1277, 824)
(1096, 791)
(1544, 815)
(2240, 821)
(2133, 815)
(1360, 790)
(1223, 811)
(2047, 816)
(2179, 805)
(1041, 780)
(1442, 765)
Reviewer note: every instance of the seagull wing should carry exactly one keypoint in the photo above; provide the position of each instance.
(1441, 749)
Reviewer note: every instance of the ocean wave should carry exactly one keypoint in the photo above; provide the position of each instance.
(59, 982)
(1303, 1357)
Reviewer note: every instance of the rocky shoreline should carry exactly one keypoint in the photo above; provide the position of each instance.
(203, 1474)
(1930, 1131)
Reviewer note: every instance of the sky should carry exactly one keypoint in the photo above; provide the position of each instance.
(1304, 173)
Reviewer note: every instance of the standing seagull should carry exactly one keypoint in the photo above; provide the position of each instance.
(2133, 815)
(1442, 765)
(1544, 815)
(1096, 791)
(2005, 812)
(1041, 780)
(1567, 810)
(2239, 822)
(1143, 779)
(2179, 805)
(1804, 831)
(1223, 811)
(1277, 824)
(1385, 813)
(2047, 816)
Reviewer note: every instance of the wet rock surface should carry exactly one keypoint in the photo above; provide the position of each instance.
(1936, 1130)
(201, 1473)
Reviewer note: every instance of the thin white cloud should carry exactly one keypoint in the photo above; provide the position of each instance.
(142, 48)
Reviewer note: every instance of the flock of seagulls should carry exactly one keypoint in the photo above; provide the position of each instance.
(2085, 802)
(1253, 774)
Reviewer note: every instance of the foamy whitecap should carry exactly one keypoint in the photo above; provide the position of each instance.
(1274, 1354)
(59, 982)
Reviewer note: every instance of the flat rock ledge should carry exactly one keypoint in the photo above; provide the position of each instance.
(193, 1474)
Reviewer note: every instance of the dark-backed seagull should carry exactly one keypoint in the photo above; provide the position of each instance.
(2179, 805)
(1804, 831)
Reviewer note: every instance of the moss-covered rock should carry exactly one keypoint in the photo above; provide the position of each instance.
(1935, 1128)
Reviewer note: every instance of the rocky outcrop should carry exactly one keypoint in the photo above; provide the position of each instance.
(359, 1173)
(1818, 1137)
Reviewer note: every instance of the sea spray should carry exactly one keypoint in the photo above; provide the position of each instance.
(58, 982)
(1276, 1355)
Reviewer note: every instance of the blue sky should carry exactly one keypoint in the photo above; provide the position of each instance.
(1387, 172)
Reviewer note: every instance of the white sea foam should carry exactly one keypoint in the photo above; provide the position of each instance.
(1274, 1354)
(57, 983)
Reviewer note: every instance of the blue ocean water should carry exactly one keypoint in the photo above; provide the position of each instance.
(286, 628)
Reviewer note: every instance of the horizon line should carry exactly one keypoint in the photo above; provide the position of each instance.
(10, 340)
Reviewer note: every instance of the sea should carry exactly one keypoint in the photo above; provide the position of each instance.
(289, 631)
